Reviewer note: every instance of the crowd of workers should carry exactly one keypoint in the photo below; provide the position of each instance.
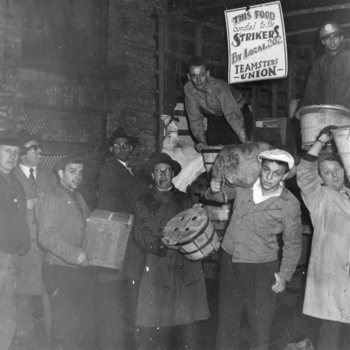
(158, 296)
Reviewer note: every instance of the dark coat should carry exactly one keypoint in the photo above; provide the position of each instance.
(118, 190)
(14, 230)
(28, 267)
(172, 289)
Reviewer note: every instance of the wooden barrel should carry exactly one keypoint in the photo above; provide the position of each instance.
(209, 154)
(106, 237)
(192, 231)
(315, 117)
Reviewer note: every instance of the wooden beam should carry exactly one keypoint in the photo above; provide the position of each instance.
(310, 30)
(316, 9)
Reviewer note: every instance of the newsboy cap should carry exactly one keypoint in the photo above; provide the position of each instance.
(9, 138)
(74, 159)
(164, 158)
(120, 132)
(279, 155)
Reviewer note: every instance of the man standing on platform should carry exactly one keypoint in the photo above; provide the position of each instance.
(225, 108)
(14, 234)
(118, 189)
(36, 179)
(329, 78)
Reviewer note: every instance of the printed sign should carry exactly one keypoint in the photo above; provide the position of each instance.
(257, 47)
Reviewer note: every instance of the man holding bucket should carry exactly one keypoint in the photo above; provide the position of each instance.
(327, 294)
(250, 274)
(172, 294)
(328, 82)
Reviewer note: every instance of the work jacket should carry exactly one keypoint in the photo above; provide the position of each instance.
(328, 81)
(62, 220)
(172, 290)
(251, 236)
(327, 294)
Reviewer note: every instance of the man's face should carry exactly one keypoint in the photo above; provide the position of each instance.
(121, 148)
(72, 176)
(199, 76)
(33, 155)
(332, 174)
(8, 158)
(162, 176)
(333, 43)
(271, 175)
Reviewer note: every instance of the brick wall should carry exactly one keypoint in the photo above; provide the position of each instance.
(126, 83)
(132, 69)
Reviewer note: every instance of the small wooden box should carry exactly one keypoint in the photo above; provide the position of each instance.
(106, 237)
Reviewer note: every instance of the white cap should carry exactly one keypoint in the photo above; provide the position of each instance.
(278, 154)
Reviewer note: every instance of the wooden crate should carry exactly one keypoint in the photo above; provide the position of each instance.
(106, 237)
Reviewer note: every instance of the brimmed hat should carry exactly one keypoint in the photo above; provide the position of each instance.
(25, 137)
(278, 154)
(9, 138)
(158, 158)
(120, 132)
(61, 163)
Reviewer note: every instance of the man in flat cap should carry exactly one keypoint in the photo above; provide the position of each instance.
(250, 274)
(14, 234)
(172, 294)
(118, 188)
(36, 179)
(69, 281)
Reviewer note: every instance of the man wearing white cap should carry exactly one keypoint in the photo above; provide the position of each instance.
(250, 274)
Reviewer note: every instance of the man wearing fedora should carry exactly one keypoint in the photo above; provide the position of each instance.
(118, 189)
(36, 179)
(172, 294)
(70, 283)
(14, 234)
(250, 273)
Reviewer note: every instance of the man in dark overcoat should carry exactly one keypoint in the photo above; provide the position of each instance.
(14, 234)
(172, 294)
(118, 189)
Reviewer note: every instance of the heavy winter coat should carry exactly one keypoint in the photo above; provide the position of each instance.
(327, 294)
(172, 290)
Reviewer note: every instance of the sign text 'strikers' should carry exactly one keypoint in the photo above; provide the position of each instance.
(256, 43)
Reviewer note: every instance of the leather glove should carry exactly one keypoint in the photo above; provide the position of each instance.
(327, 130)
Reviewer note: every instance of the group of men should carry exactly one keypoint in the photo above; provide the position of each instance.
(157, 299)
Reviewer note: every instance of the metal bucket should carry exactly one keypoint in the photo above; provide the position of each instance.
(315, 117)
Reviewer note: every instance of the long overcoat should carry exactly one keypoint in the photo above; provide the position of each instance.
(28, 267)
(327, 294)
(118, 189)
(14, 237)
(172, 290)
